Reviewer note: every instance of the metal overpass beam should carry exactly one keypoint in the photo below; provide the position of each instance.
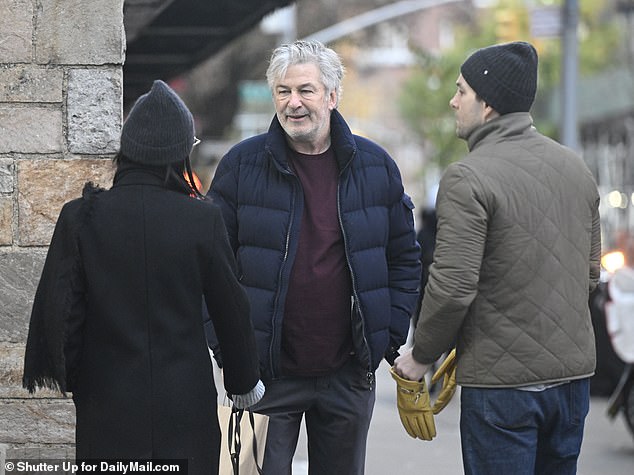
(372, 17)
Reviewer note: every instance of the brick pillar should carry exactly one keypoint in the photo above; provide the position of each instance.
(60, 119)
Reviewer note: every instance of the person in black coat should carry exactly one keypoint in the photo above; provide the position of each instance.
(118, 317)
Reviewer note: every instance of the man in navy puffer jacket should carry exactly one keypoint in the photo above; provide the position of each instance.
(326, 248)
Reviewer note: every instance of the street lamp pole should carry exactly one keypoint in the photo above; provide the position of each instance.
(569, 132)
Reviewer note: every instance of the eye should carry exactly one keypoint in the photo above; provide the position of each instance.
(283, 92)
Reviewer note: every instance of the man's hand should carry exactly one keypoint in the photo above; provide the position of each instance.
(407, 367)
(412, 400)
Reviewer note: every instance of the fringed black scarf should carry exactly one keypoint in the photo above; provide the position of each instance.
(44, 360)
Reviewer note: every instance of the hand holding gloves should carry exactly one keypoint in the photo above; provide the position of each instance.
(412, 400)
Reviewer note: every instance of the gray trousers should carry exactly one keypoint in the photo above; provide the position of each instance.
(337, 409)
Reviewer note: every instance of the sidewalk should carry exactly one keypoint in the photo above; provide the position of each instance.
(608, 448)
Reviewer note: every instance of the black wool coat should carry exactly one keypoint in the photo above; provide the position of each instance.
(117, 320)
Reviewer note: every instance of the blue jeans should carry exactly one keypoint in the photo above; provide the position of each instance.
(506, 431)
(337, 409)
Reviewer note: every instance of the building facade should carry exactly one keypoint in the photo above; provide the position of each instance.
(60, 118)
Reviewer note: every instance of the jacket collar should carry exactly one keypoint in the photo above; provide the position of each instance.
(133, 174)
(500, 129)
(342, 142)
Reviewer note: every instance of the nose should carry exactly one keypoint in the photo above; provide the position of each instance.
(295, 100)
(452, 102)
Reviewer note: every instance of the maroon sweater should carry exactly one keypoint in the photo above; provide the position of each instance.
(316, 334)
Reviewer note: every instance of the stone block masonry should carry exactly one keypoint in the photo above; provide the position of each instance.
(61, 96)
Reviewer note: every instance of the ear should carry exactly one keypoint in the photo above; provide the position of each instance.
(489, 113)
(332, 100)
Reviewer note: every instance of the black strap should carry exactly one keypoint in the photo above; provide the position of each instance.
(234, 439)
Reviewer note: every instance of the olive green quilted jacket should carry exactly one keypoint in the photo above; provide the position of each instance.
(517, 253)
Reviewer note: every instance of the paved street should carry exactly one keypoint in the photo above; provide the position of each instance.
(608, 448)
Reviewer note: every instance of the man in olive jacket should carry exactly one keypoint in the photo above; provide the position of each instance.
(517, 253)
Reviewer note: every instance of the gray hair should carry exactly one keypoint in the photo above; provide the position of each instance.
(301, 52)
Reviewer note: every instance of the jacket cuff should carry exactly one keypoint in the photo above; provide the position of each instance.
(242, 401)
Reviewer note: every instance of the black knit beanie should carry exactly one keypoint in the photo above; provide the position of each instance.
(504, 76)
(159, 129)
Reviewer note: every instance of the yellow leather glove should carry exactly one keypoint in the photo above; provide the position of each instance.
(447, 371)
(412, 400)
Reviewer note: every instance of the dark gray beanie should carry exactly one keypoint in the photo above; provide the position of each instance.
(159, 129)
(504, 76)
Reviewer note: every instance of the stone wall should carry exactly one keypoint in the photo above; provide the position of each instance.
(60, 118)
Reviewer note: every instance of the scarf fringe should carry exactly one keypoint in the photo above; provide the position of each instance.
(42, 382)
